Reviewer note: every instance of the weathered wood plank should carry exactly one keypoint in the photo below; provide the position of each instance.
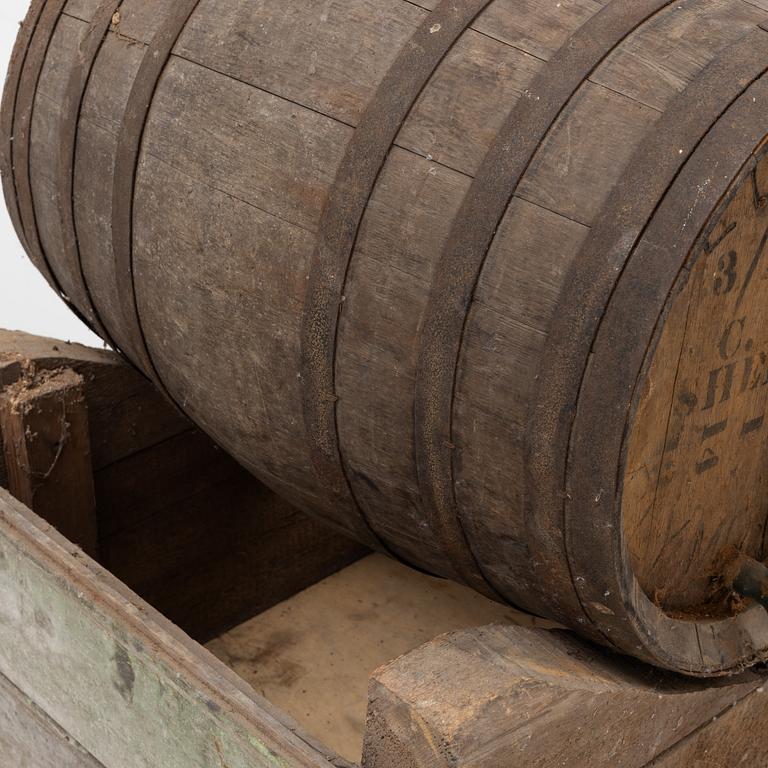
(45, 148)
(313, 654)
(536, 26)
(118, 677)
(206, 543)
(454, 120)
(666, 53)
(96, 148)
(30, 739)
(737, 736)
(178, 520)
(44, 421)
(126, 413)
(259, 382)
(502, 697)
(142, 486)
(84, 9)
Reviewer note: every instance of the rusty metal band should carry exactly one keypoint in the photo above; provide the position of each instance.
(643, 222)
(70, 119)
(153, 64)
(8, 112)
(461, 263)
(348, 199)
(29, 79)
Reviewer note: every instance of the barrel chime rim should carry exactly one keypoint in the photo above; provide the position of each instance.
(651, 631)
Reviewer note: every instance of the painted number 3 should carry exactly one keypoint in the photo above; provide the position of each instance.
(725, 277)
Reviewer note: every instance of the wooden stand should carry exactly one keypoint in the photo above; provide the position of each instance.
(91, 675)
(95, 450)
(503, 696)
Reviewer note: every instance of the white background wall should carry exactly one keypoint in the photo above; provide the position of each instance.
(26, 301)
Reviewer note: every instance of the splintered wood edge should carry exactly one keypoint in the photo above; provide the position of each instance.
(17, 344)
(33, 386)
(111, 388)
(508, 695)
(46, 442)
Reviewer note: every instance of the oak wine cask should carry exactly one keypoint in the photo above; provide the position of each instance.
(481, 283)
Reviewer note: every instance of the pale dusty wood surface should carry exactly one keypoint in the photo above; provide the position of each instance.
(30, 739)
(736, 737)
(696, 483)
(508, 697)
(20, 344)
(119, 678)
(313, 654)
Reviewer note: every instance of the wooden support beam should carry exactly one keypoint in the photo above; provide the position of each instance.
(44, 421)
(503, 697)
(126, 412)
(737, 736)
(179, 521)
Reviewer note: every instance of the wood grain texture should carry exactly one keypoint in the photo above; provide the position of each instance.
(204, 542)
(680, 227)
(313, 654)
(697, 457)
(46, 438)
(107, 13)
(126, 414)
(522, 390)
(21, 194)
(246, 131)
(348, 197)
(30, 739)
(120, 679)
(177, 519)
(466, 248)
(502, 697)
(154, 61)
(8, 108)
(736, 733)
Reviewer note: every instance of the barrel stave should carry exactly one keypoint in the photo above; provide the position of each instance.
(240, 152)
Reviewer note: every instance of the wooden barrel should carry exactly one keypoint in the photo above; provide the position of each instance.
(481, 283)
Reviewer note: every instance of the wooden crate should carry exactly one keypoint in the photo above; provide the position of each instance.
(192, 619)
